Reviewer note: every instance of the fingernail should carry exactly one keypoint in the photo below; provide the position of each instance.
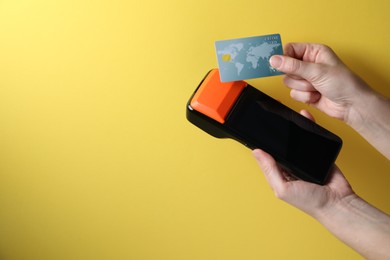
(276, 61)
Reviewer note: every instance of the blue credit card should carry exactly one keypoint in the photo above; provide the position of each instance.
(247, 58)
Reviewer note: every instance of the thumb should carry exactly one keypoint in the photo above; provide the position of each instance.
(271, 171)
(291, 66)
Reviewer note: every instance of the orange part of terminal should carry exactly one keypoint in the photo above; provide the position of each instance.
(215, 98)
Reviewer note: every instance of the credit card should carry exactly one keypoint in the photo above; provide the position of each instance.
(247, 58)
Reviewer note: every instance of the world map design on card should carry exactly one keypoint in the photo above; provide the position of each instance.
(246, 58)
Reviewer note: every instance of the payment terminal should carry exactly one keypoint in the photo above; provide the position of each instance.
(241, 112)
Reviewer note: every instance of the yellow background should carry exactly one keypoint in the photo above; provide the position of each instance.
(97, 160)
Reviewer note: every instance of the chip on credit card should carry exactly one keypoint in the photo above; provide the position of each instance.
(247, 58)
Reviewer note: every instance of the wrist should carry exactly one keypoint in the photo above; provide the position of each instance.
(360, 225)
(337, 208)
(361, 108)
(369, 116)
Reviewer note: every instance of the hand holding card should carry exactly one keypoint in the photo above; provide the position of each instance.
(246, 58)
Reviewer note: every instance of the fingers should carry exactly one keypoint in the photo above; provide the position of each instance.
(296, 50)
(308, 97)
(310, 52)
(298, 83)
(295, 67)
(302, 90)
(307, 114)
(305, 60)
